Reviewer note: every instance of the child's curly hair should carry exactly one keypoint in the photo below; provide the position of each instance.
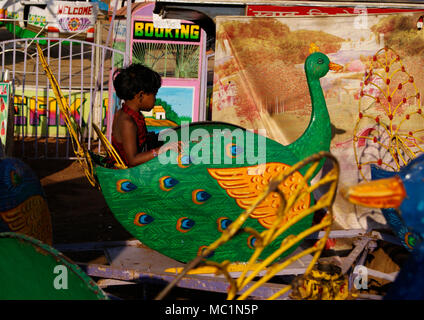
(135, 78)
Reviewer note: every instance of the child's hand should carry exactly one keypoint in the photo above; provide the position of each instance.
(174, 146)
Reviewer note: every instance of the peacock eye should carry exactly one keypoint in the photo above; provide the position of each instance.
(141, 219)
(125, 185)
(203, 248)
(251, 241)
(167, 183)
(15, 178)
(223, 223)
(233, 150)
(200, 196)
(184, 224)
(320, 61)
(184, 161)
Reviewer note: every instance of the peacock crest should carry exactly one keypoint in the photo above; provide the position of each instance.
(313, 48)
(389, 129)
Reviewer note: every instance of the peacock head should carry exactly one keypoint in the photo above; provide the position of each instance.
(317, 64)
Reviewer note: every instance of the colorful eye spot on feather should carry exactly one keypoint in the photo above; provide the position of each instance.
(200, 196)
(184, 161)
(185, 224)
(203, 248)
(167, 183)
(410, 240)
(232, 150)
(15, 178)
(251, 241)
(142, 219)
(125, 185)
(223, 223)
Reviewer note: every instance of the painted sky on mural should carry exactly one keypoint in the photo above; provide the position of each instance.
(179, 98)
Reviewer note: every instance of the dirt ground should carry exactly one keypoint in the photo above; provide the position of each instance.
(79, 211)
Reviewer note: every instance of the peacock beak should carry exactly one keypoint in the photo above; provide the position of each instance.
(383, 193)
(335, 67)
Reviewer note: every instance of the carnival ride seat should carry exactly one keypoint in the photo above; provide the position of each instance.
(266, 245)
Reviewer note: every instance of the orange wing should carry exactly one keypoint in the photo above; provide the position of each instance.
(245, 184)
(32, 217)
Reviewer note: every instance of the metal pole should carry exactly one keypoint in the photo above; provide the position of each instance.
(128, 35)
(203, 79)
(98, 65)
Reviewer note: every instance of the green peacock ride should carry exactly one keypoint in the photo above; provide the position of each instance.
(178, 204)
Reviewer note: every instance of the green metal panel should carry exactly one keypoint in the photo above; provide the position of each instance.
(140, 190)
(30, 269)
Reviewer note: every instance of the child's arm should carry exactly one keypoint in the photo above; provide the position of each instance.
(129, 143)
(129, 138)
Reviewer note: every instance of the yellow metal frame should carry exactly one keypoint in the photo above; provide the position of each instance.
(80, 150)
(252, 269)
(109, 148)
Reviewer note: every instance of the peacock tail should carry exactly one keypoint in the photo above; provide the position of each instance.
(407, 236)
(179, 204)
(23, 207)
(180, 208)
(17, 183)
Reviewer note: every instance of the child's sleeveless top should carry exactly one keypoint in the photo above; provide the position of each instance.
(141, 133)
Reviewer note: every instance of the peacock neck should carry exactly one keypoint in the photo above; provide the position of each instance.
(317, 136)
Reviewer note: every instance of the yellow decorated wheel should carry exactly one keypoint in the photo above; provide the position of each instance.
(389, 128)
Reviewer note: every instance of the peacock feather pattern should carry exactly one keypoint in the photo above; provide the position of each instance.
(23, 207)
(187, 207)
(180, 204)
(313, 284)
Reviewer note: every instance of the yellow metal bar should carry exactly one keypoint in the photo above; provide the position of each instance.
(110, 149)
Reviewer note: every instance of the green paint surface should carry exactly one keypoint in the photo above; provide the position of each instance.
(30, 269)
(161, 211)
(167, 207)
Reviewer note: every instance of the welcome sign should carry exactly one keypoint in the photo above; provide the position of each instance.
(66, 16)
(145, 30)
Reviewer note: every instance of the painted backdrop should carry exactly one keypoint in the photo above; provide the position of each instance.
(373, 103)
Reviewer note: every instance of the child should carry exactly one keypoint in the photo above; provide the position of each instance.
(137, 85)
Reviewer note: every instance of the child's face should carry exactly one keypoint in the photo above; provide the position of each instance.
(147, 101)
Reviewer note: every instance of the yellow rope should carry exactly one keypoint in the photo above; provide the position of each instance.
(80, 150)
(110, 149)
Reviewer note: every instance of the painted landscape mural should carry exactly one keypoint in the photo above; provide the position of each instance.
(173, 106)
(374, 103)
